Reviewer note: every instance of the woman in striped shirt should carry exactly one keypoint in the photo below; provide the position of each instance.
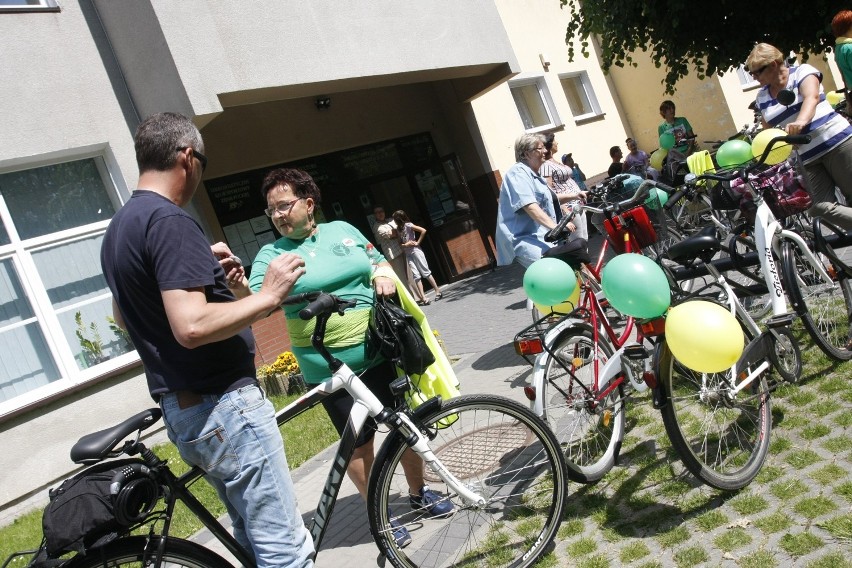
(828, 156)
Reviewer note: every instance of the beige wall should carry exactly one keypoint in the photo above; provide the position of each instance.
(536, 27)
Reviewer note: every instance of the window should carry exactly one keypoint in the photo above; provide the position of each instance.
(55, 306)
(534, 104)
(580, 95)
(28, 5)
(746, 80)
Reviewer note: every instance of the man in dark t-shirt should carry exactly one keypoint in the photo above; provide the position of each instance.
(615, 167)
(188, 308)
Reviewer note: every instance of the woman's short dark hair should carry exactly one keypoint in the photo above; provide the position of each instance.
(300, 182)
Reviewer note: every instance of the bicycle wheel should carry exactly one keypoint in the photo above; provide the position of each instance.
(691, 214)
(495, 447)
(722, 439)
(786, 356)
(824, 307)
(747, 281)
(588, 424)
(138, 551)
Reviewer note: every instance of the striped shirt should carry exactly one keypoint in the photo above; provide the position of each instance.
(827, 128)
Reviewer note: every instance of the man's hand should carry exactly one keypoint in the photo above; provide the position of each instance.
(384, 286)
(281, 276)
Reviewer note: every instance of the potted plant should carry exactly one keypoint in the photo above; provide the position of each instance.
(282, 376)
(90, 340)
(121, 333)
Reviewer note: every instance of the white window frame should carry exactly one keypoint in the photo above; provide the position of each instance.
(21, 254)
(540, 84)
(587, 90)
(42, 6)
(747, 82)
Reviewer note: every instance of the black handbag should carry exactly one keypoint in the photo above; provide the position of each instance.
(396, 335)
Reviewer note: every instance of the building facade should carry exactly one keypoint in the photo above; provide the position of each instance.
(413, 106)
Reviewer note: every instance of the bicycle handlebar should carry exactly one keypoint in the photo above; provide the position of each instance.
(556, 232)
(741, 173)
(319, 303)
(636, 199)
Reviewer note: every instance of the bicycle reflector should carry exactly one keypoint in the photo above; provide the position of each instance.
(528, 346)
(653, 327)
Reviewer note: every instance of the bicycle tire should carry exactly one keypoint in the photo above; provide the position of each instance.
(132, 551)
(590, 431)
(824, 308)
(501, 450)
(723, 443)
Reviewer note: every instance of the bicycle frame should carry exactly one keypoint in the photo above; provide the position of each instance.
(603, 376)
(366, 405)
(768, 235)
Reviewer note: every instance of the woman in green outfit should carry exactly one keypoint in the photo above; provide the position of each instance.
(337, 261)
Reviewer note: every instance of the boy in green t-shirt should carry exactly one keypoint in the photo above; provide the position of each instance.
(678, 127)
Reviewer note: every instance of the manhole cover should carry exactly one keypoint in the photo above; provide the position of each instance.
(480, 451)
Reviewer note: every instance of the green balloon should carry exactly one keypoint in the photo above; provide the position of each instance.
(549, 281)
(667, 140)
(636, 286)
(733, 153)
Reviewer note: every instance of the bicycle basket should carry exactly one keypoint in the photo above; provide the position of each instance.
(783, 188)
(635, 220)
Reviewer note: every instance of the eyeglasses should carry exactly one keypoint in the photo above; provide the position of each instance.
(282, 208)
(757, 72)
(201, 157)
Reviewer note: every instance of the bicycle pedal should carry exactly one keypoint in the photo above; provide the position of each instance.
(782, 320)
(636, 352)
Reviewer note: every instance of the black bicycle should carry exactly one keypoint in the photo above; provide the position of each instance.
(498, 463)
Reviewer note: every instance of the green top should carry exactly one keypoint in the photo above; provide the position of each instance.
(843, 58)
(679, 130)
(336, 262)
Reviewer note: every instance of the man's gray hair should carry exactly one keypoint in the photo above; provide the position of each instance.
(525, 143)
(159, 138)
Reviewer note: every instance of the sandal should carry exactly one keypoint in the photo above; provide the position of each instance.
(438, 296)
(423, 302)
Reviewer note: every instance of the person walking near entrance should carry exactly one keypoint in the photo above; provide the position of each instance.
(386, 236)
(414, 254)
(179, 304)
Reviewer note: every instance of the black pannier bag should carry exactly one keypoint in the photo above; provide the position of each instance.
(83, 513)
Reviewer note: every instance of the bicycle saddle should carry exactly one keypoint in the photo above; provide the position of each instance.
(97, 446)
(575, 253)
(702, 244)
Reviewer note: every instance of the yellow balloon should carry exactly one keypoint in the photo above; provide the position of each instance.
(704, 336)
(834, 97)
(657, 157)
(566, 307)
(780, 151)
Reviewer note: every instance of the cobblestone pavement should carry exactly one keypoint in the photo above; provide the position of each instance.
(647, 511)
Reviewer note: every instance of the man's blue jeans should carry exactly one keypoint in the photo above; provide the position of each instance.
(234, 438)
